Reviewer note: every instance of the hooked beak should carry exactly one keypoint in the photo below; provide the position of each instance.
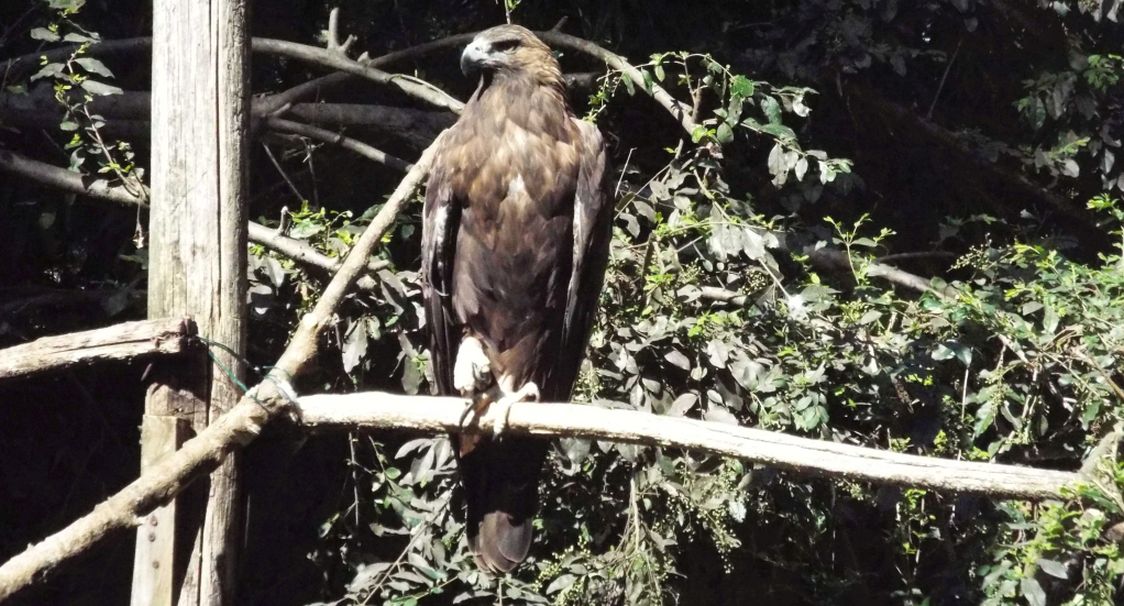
(473, 58)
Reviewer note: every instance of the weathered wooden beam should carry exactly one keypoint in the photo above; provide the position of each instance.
(197, 259)
(376, 410)
(154, 559)
(124, 341)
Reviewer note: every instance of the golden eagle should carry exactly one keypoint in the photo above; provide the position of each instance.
(515, 238)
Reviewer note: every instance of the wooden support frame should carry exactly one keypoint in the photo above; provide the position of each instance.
(119, 342)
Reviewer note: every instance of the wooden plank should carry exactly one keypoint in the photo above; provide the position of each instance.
(197, 262)
(154, 561)
(119, 342)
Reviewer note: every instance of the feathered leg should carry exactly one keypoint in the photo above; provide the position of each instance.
(472, 376)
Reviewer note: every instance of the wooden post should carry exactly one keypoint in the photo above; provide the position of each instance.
(154, 579)
(197, 267)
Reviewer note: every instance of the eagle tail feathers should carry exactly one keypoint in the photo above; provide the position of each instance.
(501, 492)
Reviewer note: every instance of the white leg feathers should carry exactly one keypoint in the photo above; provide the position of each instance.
(472, 377)
(472, 372)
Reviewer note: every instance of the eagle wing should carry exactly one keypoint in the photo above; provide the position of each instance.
(592, 234)
(441, 216)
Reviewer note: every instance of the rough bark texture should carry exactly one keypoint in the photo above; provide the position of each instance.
(119, 342)
(200, 118)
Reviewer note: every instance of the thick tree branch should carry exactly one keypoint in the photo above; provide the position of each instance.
(266, 401)
(120, 342)
(803, 455)
(1066, 210)
(127, 115)
(61, 178)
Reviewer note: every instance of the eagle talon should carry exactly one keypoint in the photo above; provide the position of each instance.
(527, 393)
(476, 407)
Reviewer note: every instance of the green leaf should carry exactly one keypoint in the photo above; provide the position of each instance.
(94, 66)
(1033, 592)
(44, 34)
(725, 134)
(1053, 568)
(100, 88)
(698, 133)
(742, 87)
(772, 109)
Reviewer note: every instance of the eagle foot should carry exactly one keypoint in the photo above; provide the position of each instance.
(528, 393)
(478, 404)
(472, 371)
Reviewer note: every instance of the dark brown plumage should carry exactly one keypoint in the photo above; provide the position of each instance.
(514, 245)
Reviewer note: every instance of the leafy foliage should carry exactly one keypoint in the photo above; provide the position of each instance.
(748, 284)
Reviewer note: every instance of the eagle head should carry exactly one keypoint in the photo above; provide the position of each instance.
(507, 50)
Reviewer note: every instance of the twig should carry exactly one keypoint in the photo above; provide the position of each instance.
(921, 254)
(281, 171)
(377, 410)
(944, 77)
(301, 251)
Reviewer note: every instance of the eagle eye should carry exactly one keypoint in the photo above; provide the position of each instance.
(506, 45)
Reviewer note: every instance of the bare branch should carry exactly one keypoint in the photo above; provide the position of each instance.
(319, 56)
(679, 110)
(120, 342)
(301, 251)
(327, 136)
(802, 455)
(301, 52)
(66, 180)
(334, 43)
(70, 181)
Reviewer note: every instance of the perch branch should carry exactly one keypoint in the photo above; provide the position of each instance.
(120, 342)
(238, 427)
(802, 455)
